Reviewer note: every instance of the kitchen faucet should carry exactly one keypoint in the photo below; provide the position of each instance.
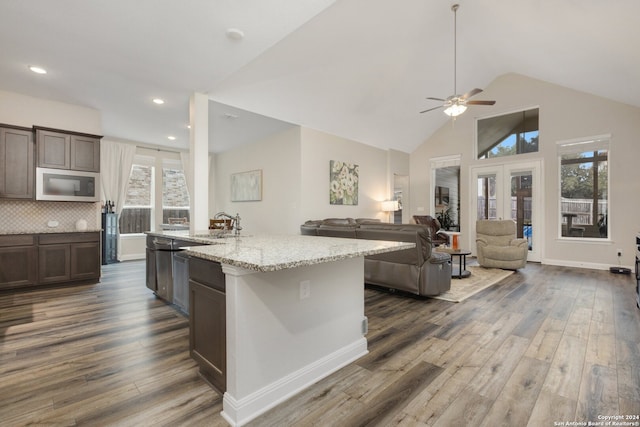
(235, 221)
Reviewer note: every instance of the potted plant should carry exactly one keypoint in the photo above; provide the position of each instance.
(602, 225)
(445, 219)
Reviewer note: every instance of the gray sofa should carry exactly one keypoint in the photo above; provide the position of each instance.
(420, 271)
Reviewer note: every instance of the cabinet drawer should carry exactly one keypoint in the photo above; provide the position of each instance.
(208, 273)
(17, 240)
(55, 239)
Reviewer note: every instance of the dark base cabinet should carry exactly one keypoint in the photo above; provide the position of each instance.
(85, 260)
(31, 260)
(18, 261)
(207, 320)
(55, 263)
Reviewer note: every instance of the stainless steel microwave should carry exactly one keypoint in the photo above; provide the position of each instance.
(67, 185)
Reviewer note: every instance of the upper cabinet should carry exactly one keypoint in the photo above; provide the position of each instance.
(85, 153)
(54, 149)
(16, 162)
(67, 150)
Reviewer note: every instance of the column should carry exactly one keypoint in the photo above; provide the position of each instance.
(199, 161)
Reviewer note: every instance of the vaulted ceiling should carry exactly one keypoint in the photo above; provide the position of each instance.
(360, 69)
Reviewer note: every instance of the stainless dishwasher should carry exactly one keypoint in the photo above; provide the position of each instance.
(161, 249)
(170, 268)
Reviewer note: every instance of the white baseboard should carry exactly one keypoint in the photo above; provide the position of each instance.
(579, 264)
(132, 257)
(238, 412)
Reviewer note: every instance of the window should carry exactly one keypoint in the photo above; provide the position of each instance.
(175, 196)
(584, 188)
(508, 134)
(487, 198)
(137, 212)
(157, 195)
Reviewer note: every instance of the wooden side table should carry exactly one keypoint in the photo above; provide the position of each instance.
(462, 261)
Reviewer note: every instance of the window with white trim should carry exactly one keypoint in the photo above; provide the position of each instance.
(508, 134)
(175, 194)
(584, 188)
(138, 209)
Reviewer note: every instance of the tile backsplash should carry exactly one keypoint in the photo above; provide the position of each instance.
(29, 216)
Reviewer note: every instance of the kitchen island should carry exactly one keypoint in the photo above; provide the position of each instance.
(294, 312)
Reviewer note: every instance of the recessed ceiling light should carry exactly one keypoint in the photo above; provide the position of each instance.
(37, 70)
(171, 138)
(235, 34)
(158, 101)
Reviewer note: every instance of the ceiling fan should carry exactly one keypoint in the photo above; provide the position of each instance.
(457, 104)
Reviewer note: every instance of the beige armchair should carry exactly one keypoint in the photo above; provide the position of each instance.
(497, 245)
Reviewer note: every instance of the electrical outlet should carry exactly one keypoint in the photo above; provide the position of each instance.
(365, 325)
(305, 289)
(619, 252)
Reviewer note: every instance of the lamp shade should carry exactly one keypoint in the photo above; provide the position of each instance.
(390, 206)
(455, 110)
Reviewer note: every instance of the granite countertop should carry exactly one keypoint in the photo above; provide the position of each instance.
(272, 252)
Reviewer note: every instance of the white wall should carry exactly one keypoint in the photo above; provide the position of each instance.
(278, 156)
(318, 149)
(564, 114)
(295, 167)
(22, 110)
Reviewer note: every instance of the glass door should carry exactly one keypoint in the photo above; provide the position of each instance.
(510, 191)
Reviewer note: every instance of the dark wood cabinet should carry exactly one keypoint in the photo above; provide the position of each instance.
(68, 150)
(68, 257)
(207, 320)
(18, 261)
(54, 149)
(85, 153)
(54, 263)
(16, 162)
(85, 260)
(109, 238)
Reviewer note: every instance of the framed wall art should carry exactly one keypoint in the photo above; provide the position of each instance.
(246, 186)
(343, 183)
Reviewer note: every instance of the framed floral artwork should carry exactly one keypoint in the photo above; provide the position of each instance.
(343, 183)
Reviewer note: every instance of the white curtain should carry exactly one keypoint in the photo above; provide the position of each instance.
(116, 160)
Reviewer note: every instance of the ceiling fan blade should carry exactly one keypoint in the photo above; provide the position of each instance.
(480, 102)
(471, 93)
(431, 109)
(436, 99)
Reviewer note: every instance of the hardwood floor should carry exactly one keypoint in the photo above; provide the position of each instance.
(548, 344)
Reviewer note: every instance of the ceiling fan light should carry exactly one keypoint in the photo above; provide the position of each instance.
(455, 110)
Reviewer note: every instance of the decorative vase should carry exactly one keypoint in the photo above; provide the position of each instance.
(455, 242)
(81, 225)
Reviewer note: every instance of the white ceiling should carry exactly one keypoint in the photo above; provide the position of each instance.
(360, 69)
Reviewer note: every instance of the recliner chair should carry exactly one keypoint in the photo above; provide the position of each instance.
(497, 245)
(438, 235)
